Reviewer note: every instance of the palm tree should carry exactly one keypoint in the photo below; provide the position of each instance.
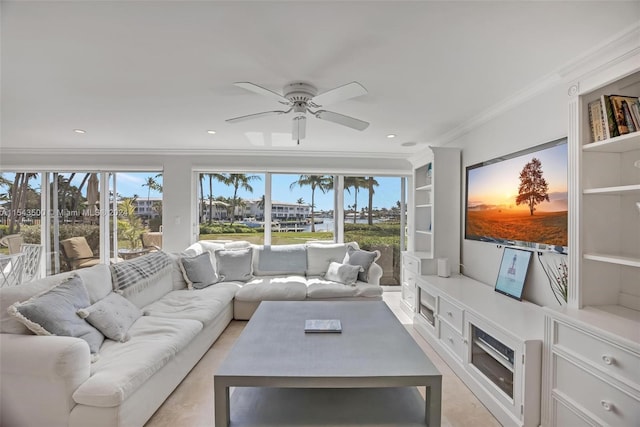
(220, 178)
(371, 182)
(18, 195)
(237, 181)
(201, 196)
(151, 184)
(320, 182)
(355, 182)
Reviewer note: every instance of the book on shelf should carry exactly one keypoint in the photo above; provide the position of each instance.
(611, 130)
(623, 116)
(596, 121)
(322, 325)
(627, 117)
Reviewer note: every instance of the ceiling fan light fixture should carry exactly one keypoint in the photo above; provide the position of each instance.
(300, 97)
(299, 128)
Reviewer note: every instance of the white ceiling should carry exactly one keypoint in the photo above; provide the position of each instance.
(158, 74)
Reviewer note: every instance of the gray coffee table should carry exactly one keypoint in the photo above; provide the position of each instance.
(373, 351)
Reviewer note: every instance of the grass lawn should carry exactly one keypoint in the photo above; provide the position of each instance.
(276, 238)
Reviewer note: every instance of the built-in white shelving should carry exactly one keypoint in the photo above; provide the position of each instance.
(492, 342)
(613, 259)
(614, 191)
(434, 221)
(592, 346)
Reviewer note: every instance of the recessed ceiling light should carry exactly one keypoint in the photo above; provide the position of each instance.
(391, 135)
(409, 144)
(211, 132)
(79, 131)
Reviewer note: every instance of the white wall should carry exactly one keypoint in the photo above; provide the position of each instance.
(539, 120)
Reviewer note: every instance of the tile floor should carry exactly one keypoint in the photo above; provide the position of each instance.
(191, 404)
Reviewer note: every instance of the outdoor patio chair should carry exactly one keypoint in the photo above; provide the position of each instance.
(11, 268)
(31, 261)
(13, 242)
(152, 240)
(77, 253)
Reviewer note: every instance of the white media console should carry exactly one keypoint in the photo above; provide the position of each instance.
(492, 342)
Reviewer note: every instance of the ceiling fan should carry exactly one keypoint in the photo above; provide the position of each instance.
(303, 98)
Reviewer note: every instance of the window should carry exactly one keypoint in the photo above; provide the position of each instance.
(231, 206)
(374, 218)
(74, 206)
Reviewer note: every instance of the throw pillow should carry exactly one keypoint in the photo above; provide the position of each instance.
(343, 273)
(362, 258)
(198, 271)
(53, 312)
(234, 265)
(113, 315)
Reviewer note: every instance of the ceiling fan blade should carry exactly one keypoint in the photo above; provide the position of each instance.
(342, 93)
(255, 116)
(299, 130)
(342, 119)
(263, 91)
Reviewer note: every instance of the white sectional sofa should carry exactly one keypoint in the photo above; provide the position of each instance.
(52, 381)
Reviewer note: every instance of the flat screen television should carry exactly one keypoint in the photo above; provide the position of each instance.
(520, 199)
(513, 272)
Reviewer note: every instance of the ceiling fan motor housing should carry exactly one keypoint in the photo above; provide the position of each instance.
(299, 92)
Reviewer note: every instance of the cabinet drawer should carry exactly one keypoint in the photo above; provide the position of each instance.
(452, 340)
(613, 360)
(451, 314)
(411, 264)
(409, 295)
(564, 416)
(595, 397)
(409, 279)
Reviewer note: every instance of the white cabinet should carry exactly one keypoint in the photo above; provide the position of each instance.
(606, 248)
(589, 373)
(492, 342)
(592, 347)
(433, 217)
(434, 209)
(412, 267)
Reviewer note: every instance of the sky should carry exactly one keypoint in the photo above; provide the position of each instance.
(386, 194)
(129, 183)
(496, 185)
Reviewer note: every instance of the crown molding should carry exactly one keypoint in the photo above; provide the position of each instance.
(606, 54)
(202, 152)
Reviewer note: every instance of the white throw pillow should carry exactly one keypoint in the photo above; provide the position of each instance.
(343, 273)
(113, 315)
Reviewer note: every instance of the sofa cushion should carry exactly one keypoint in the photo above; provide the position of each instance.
(320, 255)
(267, 288)
(177, 277)
(361, 258)
(237, 244)
(279, 260)
(343, 273)
(113, 315)
(198, 271)
(124, 367)
(96, 279)
(319, 288)
(53, 312)
(203, 305)
(234, 265)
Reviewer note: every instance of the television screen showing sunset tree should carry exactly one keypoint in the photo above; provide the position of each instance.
(521, 198)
